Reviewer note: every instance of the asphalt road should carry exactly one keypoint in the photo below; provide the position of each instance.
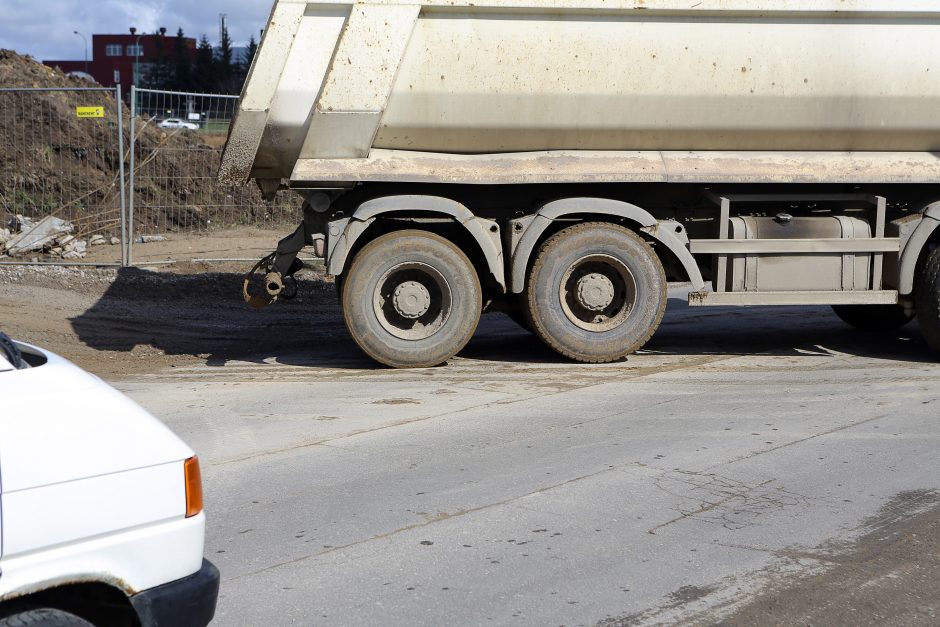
(744, 454)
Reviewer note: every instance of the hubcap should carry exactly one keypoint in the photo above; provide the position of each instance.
(412, 301)
(595, 292)
(598, 293)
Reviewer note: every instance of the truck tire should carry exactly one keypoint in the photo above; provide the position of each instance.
(411, 299)
(45, 617)
(873, 317)
(927, 299)
(596, 292)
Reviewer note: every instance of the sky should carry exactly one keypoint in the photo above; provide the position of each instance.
(45, 29)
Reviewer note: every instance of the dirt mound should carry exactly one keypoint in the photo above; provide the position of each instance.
(21, 71)
(56, 162)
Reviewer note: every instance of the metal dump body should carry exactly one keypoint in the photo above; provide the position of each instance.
(505, 91)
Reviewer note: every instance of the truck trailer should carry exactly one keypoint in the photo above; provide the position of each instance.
(564, 160)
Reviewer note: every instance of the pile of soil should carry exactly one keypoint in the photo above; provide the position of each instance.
(55, 163)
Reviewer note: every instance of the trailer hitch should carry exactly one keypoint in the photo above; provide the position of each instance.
(280, 266)
(276, 284)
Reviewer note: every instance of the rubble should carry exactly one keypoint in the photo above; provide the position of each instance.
(97, 240)
(76, 249)
(150, 239)
(50, 235)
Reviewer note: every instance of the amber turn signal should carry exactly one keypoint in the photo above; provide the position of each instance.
(193, 486)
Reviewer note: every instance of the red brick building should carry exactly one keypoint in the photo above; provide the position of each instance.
(114, 58)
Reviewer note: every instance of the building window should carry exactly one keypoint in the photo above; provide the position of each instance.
(135, 51)
(114, 50)
(117, 76)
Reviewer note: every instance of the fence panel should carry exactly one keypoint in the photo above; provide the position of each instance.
(62, 157)
(178, 142)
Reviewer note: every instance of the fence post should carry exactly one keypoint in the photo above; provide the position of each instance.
(120, 113)
(129, 244)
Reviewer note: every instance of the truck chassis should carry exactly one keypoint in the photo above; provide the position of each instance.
(585, 266)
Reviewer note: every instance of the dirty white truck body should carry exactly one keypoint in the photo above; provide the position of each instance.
(783, 150)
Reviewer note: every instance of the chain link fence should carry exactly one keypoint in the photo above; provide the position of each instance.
(62, 175)
(103, 175)
(177, 146)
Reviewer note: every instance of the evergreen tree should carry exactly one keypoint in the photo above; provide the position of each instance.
(205, 75)
(183, 71)
(244, 66)
(160, 71)
(249, 54)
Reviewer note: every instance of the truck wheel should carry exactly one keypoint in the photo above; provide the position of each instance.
(411, 299)
(44, 618)
(927, 300)
(873, 317)
(596, 292)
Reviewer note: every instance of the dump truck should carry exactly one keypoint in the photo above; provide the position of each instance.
(562, 161)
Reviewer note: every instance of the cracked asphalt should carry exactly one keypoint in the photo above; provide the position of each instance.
(750, 466)
(744, 454)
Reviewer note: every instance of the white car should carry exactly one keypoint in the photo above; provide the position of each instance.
(100, 505)
(178, 123)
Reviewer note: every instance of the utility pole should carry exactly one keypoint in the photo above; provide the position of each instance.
(85, 39)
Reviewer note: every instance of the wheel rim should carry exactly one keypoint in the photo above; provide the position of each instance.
(597, 293)
(412, 301)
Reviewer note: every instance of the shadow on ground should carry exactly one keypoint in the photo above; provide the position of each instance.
(203, 315)
(780, 331)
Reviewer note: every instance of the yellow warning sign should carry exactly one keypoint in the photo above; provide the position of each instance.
(90, 112)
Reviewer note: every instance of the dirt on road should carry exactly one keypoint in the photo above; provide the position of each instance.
(888, 577)
(119, 322)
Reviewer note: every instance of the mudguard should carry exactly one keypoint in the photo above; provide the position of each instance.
(572, 207)
(344, 233)
(914, 246)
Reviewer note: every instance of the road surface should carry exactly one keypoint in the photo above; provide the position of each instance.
(752, 465)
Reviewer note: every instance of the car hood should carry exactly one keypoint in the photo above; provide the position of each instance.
(59, 423)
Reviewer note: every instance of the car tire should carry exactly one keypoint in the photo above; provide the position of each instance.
(44, 617)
